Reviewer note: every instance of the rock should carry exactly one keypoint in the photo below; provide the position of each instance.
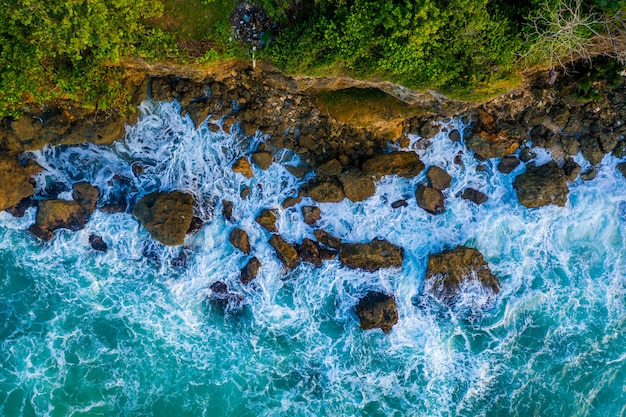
(430, 199)
(20, 208)
(242, 166)
(357, 186)
(541, 186)
(285, 251)
(239, 239)
(15, 181)
(474, 195)
(291, 201)
(166, 215)
(439, 178)
(327, 254)
(97, 243)
(371, 256)
(404, 164)
(137, 169)
(121, 189)
(455, 135)
(267, 219)
(621, 167)
(263, 159)
(591, 149)
(227, 210)
(326, 192)
(571, 169)
(249, 272)
(327, 239)
(196, 224)
(64, 214)
(222, 297)
(377, 311)
(589, 174)
(399, 203)
(311, 214)
(330, 168)
(309, 252)
(448, 271)
(492, 145)
(508, 164)
(299, 171)
(527, 154)
(245, 193)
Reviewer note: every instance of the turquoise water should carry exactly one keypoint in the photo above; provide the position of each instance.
(119, 334)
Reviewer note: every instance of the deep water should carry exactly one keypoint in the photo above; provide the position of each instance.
(84, 333)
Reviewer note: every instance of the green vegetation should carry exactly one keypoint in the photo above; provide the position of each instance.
(469, 49)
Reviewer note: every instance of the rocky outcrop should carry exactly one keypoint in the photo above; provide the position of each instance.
(404, 164)
(290, 202)
(15, 181)
(65, 214)
(310, 252)
(357, 186)
(448, 272)
(377, 311)
(542, 186)
(239, 239)
(166, 215)
(439, 179)
(267, 219)
(430, 199)
(250, 271)
(242, 166)
(330, 168)
(371, 256)
(311, 214)
(327, 239)
(286, 252)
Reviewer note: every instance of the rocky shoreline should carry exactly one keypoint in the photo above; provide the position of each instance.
(347, 161)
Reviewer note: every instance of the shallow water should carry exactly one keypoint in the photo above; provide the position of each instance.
(84, 333)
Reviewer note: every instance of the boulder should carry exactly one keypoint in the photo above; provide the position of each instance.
(542, 186)
(65, 214)
(430, 199)
(377, 311)
(449, 271)
(508, 164)
(166, 215)
(571, 169)
(371, 256)
(242, 166)
(399, 203)
(267, 219)
(311, 214)
(291, 201)
(245, 192)
(285, 251)
(330, 168)
(15, 181)
(227, 210)
(439, 179)
(249, 272)
(474, 195)
(196, 224)
(357, 186)
(327, 239)
(310, 252)
(239, 239)
(97, 243)
(405, 164)
(326, 192)
(263, 159)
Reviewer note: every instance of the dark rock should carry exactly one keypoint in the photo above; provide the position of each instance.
(371, 256)
(299, 171)
(309, 252)
(121, 189)
(430, 199)
(591, 149)
(195, 226)
(492, 145)
(621, 167)
(15, 181)
(399, 203)
(242, 166)
(448, 271)
(474, 195)
(377, 311)
(330, 168)
(20, 208)
(527, 154)
(455, 136)
(86, 195)
(267, 219)
(285, 251)
(222, 297)
(311, 214)
(327, 239)
(571, 169)
(263, 159)
(166, 215)
(239, 239)
(327, 254)
(137, 169)
(428, 130)
(589, 174)
(326, 192)
(357, 186)
(245, 193)
(249, 272)
(227, 210)
(97, 243)
(291, 201)
(508, 164)
(439, 178)
(404, 164)
(541, 186)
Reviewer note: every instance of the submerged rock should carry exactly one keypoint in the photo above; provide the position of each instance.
(166, 215)
(404, 164)
(15, 181)
(450, 270)
(371, 256)
(250, 271)
(439, 179)
(430, 199)
(239, 239)
(222, 297)
(542, 186)
(286, 252)
(377, 311)
(267, 219)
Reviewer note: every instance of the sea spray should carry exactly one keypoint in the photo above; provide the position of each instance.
(121, 333)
